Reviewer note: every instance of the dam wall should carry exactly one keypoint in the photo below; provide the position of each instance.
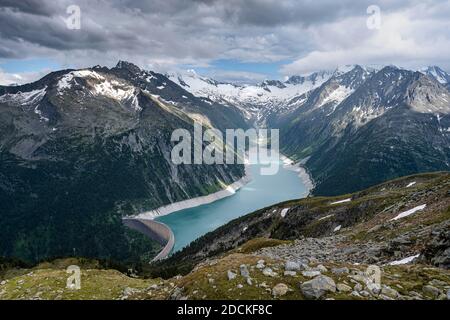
(156, 231)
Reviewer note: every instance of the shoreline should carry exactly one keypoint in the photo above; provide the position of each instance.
(145, 222)
(229, 190)
(303, 174)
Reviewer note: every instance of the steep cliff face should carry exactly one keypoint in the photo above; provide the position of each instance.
(81, 148)
(353, 127)
(361, 128)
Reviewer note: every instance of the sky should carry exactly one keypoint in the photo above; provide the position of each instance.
(229, 40)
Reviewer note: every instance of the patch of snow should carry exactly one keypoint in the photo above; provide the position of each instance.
(337, 228)
(344, 69)
(66, 81)
(160, 87)
(411, 184)
(341, 201)
(263, 95)
(404, 261)
(39, 113)
(283, 212)
(22, 98)
(87, 74)
(113, 89)
(101, 86)
(337, 96)
(409, 212)
(326, 217)
(135, 103)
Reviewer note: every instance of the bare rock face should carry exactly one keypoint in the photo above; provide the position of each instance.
(438, 249)
(353, 120)
(97, 141)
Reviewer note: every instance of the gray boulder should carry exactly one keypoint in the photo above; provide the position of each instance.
(342, 287)
(321, 268)
(231, 275)
(260, 264)
(317, 287)
(311, 274)
(389, 292)
(292, 266)
(244, 271)
(280, 290)
(431, 290)
(374, 288)
(269, 272)
(339, 271)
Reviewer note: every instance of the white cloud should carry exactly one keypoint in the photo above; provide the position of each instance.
(411, 38)
(162, 35)
(20, 78)
(238, 77)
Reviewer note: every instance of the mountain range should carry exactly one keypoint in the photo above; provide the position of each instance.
(80, 149)
(352, 127)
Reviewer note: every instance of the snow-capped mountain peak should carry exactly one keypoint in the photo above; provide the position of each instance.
(253, 99)
(437, 73)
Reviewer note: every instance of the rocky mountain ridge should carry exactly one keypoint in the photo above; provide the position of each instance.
(79, 149)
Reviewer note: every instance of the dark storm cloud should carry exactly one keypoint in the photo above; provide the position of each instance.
(46, 31)
(164, 33)
(35, 7)
(109, 24)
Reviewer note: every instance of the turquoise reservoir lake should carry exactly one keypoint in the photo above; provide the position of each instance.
(262, 191)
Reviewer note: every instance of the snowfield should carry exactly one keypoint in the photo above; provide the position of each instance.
(341, 201)
(409, 212)
(23, 98)
(283, 212)
(404, 261)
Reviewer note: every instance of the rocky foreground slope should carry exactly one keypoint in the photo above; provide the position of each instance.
(314, 248)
